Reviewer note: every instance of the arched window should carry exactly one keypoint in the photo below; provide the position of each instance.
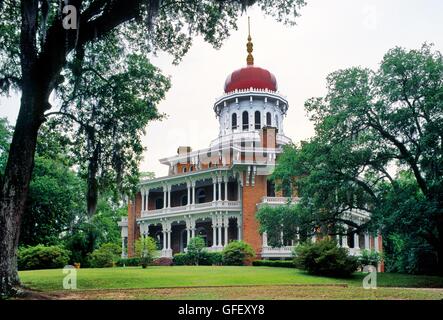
(268, 119)
(201, 196)
(234, 121)
(184, 169)
(245, 120)
(191, 168)
(257, 119)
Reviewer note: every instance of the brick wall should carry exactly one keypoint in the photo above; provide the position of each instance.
(251, 196)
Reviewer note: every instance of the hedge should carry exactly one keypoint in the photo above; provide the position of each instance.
(274, 263)
(128, 262)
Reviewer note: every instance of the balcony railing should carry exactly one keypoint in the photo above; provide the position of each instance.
(123, 222)
(277, 252)
(278, 200)
(194, 207)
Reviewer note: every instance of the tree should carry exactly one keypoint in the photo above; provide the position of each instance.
(195, 250)
(105, 112)
(238, 253)
(37, 47)
(5, 140)
(372, 127)
(145, 248)
(279, 220)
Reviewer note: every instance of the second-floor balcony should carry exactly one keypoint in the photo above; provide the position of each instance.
(205, 206)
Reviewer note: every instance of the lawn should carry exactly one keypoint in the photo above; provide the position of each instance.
(266, 282)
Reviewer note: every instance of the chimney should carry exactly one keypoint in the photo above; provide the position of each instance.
(184, 150)
(268, 137)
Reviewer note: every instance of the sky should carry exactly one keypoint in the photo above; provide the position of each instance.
(330, 35)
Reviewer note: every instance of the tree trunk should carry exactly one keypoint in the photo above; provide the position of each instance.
(440, 244)
(14, 190)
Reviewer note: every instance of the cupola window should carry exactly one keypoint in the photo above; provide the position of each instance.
(257, 118)
(245, 120)
(234, 121)
(268, 119)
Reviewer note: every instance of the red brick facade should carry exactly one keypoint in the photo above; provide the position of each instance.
(251, 197)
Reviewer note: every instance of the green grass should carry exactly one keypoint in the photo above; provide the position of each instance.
(190, 276)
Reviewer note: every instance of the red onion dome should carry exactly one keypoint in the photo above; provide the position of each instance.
(250, 77)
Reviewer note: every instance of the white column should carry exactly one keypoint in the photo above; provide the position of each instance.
(265, 239)
(214, 232)
(164, 239)
(164, 196)
(226, 188)
(367, 244)
(193, 192)
(188, 185)
(123, 247)
(226, 224)
(188, 235)
(219, 240)
(169, 196)
(169, 239)
(344, 240)
(142, 191)
(356, 241)
(238, 191)
(214, 189)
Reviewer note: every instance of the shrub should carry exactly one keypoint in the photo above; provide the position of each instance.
(237, 253)
(105, 256)
(369, 258)
(41, 257)
(180, 259)
(204, 259)
(195, 250)
(325, 258)
(145, 248)
(211, 259)
(274, 263)
(128, 262)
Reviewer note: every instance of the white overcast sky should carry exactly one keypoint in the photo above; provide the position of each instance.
(330, 35)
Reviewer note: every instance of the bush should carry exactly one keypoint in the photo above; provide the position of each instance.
(211, 259)
(205, 259)
(105, 256)
(237, 253)
(145, 248)
(180, 259)
(274, 263)
(369, 258)
(325, 258)
(41, 257)
(195, 250)
(128, 262)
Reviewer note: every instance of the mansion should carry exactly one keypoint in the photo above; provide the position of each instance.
(215, 192)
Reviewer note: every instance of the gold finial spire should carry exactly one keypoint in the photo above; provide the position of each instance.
(249, 46)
